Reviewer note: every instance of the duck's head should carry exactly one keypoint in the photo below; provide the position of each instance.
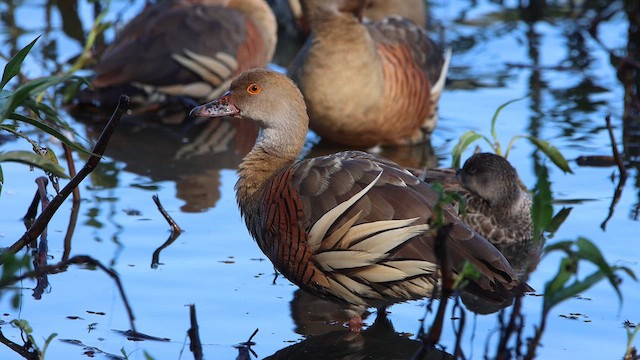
(270, 99)
(492, 178)
(319, 8)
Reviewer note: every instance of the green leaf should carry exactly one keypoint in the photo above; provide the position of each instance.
(47, 342)
(465, 140)
(557, 221)
(22, 325)
(22, 93)
(13, 66)
(29, 158)
(552, 152)
(553, 288)
(561, 245)
(590, 252)
(469, 272)
(574, 289)
(542, 208)
(50, 130)
(495, 117)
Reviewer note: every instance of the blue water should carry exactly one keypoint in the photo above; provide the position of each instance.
(215, 264)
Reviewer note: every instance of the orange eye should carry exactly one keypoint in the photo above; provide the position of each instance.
(254, 89)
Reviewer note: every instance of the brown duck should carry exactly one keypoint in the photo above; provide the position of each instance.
(497, 206)
(291, 17)
(350, 227)
(184, 49)
(368, 83)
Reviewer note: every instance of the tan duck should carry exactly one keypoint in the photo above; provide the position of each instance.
(349, 227)
(184, 49)
(291, 17)
(368, 83)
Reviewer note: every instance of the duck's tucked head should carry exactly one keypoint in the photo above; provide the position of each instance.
(492, 178)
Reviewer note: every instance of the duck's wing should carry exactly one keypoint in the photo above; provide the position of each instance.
(400, 39)
(360, 226)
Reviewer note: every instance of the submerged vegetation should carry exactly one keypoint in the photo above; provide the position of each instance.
(35, 104)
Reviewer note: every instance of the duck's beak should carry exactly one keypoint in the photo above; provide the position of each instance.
(223, 106)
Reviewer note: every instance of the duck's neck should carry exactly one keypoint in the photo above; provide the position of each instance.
(268, 156)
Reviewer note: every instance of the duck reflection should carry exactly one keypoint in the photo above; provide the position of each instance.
(191, 154)
(326, 338)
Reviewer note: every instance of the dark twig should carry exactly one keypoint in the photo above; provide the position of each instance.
(458, 354)
(75, 207)
(245, 348)
(155, 258)
(614, 148)
(27, 350)
(623, 174)
(194, 335)
(175, 233)
(506, 332)
(32, 211)
(42, 183)
(441, 249)
(41, 222)
(40, 259)
(174, 226)
(76, 260)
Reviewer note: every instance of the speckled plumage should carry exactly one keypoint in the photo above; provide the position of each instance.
(497, 206)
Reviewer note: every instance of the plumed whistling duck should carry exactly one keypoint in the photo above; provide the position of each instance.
(368, 83)
(184, 49)
(349, 227)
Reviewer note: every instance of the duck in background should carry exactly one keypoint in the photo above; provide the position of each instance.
(183, 52)
(293, 23)
(368, 83)
(349, 227)
(497, 207)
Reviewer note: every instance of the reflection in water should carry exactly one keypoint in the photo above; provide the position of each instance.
(330, 340)
(322, 323)
(191, 155)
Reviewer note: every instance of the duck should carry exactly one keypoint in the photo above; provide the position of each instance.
(497, 205)
(183, 52)
(293, 23)
(368, 83)
(349, 227)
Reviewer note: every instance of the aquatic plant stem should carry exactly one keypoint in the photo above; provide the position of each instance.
(623, 173)
(76, 260)
(41, 222)
(194, 335)
(175, 228)
(75, 207)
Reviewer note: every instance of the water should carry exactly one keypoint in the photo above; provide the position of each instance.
(571, 87)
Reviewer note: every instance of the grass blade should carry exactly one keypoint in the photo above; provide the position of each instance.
(465, 140)
(50, 130)
(552, 152)
(13, 66)
(32, 159)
